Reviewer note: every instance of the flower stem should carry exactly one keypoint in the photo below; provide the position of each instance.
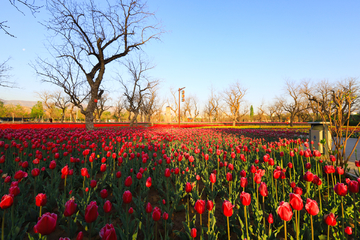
(342, 220)
(228, 228)
(247, 232)
(200, 226)
(312, 228)
(40, 211)
(285, 230)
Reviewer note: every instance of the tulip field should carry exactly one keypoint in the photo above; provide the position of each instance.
(172, 183)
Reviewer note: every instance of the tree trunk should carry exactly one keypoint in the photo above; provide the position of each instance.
(89, 120)
(63, 116)
(133, 119)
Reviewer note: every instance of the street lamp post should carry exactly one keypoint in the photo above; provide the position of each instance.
(179, 103)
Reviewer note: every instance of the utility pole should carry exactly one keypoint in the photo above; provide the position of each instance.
(179, 103)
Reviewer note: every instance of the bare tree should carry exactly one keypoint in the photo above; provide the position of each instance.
(261, 111)
(137, 88)
(101, 106)
(119, 107)
(4, 74)
(213, 105)
(335, 106)
(33, 8)
(173, 102)
(151, 104)
(62, 102)
(48, 101)
(233, 97)
(92, 37)
(295, 105)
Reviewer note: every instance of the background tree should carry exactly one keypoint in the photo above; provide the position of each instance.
(137, 88)
(251, 112)
(91, 38)
(47, 100)
(4, 74)
(261, 112)
(213, 105)
(151, 104)
(101, 106)
(118, 109)
(233, 98)
(341, 100)
(37, 111)
(62, 102)
(297, 102)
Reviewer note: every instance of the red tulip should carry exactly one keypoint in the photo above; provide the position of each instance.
(131, 210)
(263, 189)
(107, 206)
(70, 208)
(20, 174)
(128, 181)
(340, 170)
(103, 168)
(46, 224)
(156, 214)
(193, 232)
(354, 186)
(108, 232)
(167, 172)
(296, 201)
(212, 178)
(200, 206)
(188, 187)
(35, 172)
(40, 199)
(93, 183)
(91, 212)
(65, 170)
(103, 193)
(127, 197)
(298, 190)
(6, 201)
(84, 172)
(311, 207)
(243, 182)
(340, 189)
(227, 208)
(309, 176)
(348, 230)
(330, 219)
(80, 236)
(118, 174)
(52, 165)
(270, 219)
(245, 198)
(165, 216)
(148, 208)
(148, 182)
(209, 205)
(14, 190)
(284, 211)
(229, 176)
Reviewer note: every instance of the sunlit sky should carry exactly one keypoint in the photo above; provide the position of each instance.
(215, 43)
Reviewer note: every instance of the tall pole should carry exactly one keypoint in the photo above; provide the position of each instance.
(179, 103)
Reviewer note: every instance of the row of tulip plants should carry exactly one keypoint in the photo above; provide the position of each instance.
(148, 183)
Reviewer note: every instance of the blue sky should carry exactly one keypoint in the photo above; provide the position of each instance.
(215, 43)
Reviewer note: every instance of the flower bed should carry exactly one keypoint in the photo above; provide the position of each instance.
(162, 183)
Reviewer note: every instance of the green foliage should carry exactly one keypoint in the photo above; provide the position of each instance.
(251, 112)
(37, 111)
